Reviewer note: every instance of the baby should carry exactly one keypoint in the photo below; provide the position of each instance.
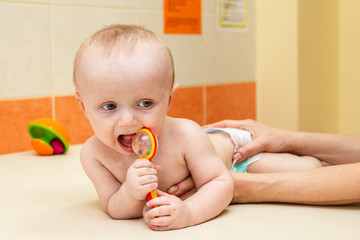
(124, 78)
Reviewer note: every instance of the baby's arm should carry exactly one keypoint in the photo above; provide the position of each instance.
(120, 201)
(212, 179)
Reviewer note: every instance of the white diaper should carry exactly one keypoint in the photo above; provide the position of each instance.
(239, 138)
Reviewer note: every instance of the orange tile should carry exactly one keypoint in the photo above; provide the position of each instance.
(188, 103)
(15, 115)
(230, 101)
(69, 113)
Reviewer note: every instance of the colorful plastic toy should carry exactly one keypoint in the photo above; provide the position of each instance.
(144, 145)
(48, 137)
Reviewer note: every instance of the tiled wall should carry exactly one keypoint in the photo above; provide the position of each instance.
(39, 38)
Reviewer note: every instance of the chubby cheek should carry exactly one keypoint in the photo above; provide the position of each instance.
(156, 124)
(103, 130)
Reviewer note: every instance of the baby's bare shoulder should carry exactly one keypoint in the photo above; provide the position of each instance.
(99, 161)
(183, 126)
(93, 150)
(90, 147)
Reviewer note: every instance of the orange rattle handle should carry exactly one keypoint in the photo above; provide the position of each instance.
(151, 195)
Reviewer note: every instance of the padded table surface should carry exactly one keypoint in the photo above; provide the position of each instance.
(52, 198)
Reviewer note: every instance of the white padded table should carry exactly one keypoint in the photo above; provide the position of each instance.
(52, 198)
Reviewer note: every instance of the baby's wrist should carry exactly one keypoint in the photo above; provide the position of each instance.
(129, 192)
(189, 219)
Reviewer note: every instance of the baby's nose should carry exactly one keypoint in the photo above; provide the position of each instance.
(127, 119)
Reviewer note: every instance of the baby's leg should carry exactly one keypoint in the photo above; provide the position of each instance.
(283, 162)
(225, 141)
(224, 147)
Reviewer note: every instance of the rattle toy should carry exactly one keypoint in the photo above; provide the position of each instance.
(48, 137)
(144, 145)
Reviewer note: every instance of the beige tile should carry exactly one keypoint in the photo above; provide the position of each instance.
(209, 6)
(152, 20)
(186, 49)
(150, 4)
(32, 1)
(229, 56)
(97, 3)
(188, 56)
(24, 51)
(70, 27)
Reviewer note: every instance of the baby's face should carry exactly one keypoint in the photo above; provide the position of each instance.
(122, 94)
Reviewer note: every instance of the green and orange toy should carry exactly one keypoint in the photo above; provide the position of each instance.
(48, 137)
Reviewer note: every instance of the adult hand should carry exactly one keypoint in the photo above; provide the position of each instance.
(183, 187)
(265, 138)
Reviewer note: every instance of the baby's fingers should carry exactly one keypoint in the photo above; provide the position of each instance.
(162, 199)
(162, 194)
(160, 218)
(157, 212)
(160, 223)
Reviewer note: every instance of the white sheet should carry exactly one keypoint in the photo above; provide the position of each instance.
(52, 198)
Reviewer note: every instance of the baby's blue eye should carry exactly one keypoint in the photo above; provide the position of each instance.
(146, 104)
(109, 107)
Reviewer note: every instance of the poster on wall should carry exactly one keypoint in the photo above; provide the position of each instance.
(182, 16)
(232, 15)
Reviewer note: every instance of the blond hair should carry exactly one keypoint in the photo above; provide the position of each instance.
(122, 38)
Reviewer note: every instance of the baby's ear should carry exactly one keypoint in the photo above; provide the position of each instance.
(173, 90)
(78, 99)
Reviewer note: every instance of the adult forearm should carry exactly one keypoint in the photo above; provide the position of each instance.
(331, 148)
(332, 185)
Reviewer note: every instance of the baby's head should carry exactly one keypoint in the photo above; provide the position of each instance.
(124, 78)
(123, 41)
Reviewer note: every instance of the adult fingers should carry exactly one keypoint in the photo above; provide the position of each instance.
(250, 149)
(184, 186)
(240, 124)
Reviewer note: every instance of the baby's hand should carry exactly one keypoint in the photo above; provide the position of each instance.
(170, 212)
(141, 179)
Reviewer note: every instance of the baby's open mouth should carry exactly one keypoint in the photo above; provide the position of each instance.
(125, 141)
